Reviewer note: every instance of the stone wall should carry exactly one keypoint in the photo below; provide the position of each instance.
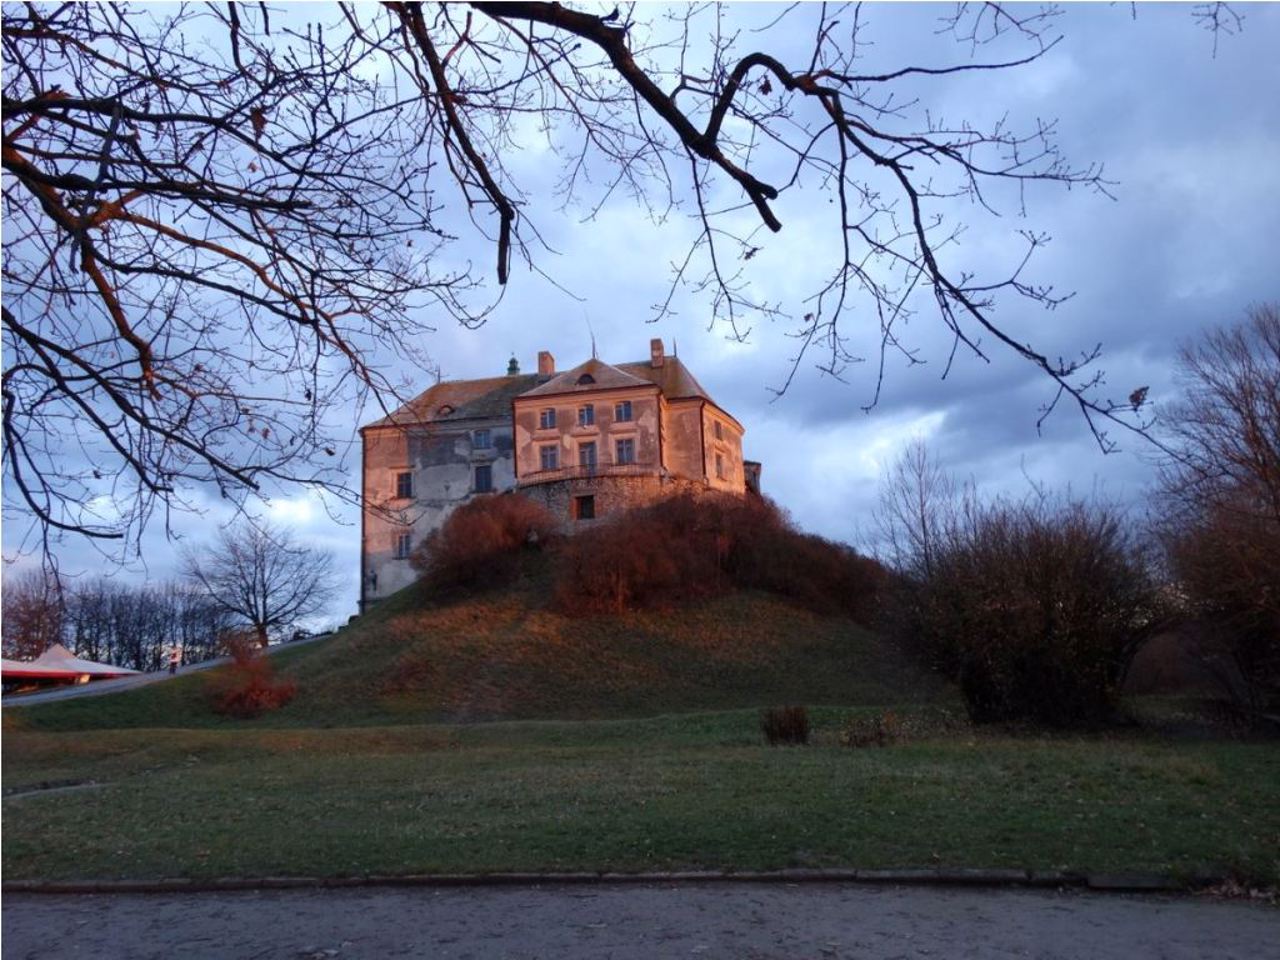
(443, 461)
(612, 495)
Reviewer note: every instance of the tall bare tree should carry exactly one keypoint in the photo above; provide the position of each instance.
(261, 576)
(34, 614)
(1221, 497)
(918, 499)
(217, 226)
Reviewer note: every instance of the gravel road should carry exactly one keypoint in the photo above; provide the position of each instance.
(732, 921)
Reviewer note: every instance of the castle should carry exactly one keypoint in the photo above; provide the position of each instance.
(585, 443)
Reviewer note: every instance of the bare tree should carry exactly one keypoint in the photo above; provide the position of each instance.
(918, 500)
(1220, 495)
(216, 226)
(261, 576)
(33, 617)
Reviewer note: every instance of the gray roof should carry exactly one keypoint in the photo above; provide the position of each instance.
(460, 400)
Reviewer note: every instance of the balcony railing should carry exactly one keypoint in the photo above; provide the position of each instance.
(588, 471)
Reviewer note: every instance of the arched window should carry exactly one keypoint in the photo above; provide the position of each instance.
(585, 379)
(445, 410)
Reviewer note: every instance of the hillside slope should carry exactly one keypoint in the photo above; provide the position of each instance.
(504, 655)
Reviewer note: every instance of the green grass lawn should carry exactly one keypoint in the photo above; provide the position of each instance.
(492, 735)
(696, 790)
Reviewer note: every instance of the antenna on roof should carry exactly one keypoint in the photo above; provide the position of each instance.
(587, 321)
(675, 348)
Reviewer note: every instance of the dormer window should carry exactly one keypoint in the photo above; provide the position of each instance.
(587, 416)
(445, 410)
(586, 379)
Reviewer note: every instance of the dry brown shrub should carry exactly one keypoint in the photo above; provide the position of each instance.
(248, 687)
(482, 542)
(691, 546)
(785, 725)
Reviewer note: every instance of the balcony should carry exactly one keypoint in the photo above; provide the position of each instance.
(583, 472)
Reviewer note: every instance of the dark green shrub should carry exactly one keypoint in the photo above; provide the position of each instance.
(785, 725)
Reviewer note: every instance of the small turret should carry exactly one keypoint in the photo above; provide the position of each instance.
(513, 367)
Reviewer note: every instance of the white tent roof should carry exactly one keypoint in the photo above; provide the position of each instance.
(58, 657)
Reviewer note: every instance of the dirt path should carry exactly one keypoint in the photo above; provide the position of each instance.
(742, 922)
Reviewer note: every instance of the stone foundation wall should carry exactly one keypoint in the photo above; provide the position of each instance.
(613, 495)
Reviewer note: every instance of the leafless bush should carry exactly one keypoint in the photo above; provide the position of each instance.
(783, 726)
(481, 542)
(877, 731)
(697, 545)
(248, 687)
(1036, 608)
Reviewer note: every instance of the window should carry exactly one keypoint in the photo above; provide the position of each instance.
(622, 411)
(584, 508)
(404, 485)
(626, 451)
(586, 379)
(481, 439)
(402, 546)
(719, 467)
(587, 456)
(550, 457)
(445, 410)
(587, 416)
(484, 478)
(547, 419)
(719, 431)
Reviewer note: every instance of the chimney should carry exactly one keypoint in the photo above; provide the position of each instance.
(655, 352)
(546, 364)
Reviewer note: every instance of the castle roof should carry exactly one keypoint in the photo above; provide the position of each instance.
(489, 397)
(592, 375)
(460, 400)
(672, 378)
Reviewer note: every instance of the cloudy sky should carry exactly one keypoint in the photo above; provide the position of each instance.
(1190, 140)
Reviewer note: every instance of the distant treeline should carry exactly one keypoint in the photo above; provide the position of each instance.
(112, 622)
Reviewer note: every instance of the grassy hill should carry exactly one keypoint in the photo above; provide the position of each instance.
(629, 743)
(503, 655)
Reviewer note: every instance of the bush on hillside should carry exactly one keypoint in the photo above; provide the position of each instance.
(248, 687)
(785, 725)
(1036, 609)
(691, 546)
(482, 542)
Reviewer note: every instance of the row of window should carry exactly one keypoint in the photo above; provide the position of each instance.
(482, 482)
(624, 451)
(586, 415)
